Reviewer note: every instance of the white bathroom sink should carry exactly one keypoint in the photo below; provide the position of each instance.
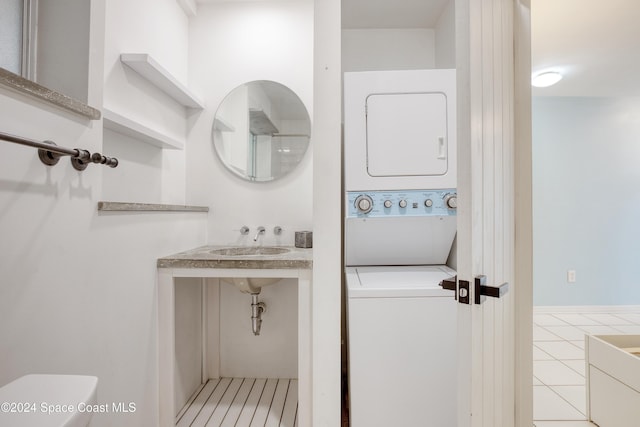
(249, 251)
(252, 285)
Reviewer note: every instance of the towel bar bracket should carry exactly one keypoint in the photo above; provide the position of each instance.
(47, 157)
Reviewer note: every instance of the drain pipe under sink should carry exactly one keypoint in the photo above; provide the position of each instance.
(257, 308)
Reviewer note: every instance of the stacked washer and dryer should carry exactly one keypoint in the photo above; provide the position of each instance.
(400, 225)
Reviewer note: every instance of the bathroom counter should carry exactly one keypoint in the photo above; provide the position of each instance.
(202, 257)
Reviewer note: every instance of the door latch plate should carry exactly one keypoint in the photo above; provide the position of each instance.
(460, 288)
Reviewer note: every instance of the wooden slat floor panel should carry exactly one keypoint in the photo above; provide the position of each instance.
(243, 402)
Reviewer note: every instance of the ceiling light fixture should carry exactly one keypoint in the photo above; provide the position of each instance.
(546, 79)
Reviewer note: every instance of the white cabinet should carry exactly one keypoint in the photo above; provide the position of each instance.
(613, 380)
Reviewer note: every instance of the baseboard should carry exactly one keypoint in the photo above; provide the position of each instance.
(543, 309)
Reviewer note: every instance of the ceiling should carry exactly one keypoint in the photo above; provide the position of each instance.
(595, 44)
(380, 13)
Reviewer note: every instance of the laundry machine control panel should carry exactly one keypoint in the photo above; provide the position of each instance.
(381, 204)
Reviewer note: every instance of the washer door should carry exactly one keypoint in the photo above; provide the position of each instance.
(402, 347)
(398, 281)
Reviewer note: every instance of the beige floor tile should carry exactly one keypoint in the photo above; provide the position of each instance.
(559, 385)
(547, 405)
(576, 319)
(577, 365)
(561, 350)
(579, 343)
(539, 354)
(608, 319)
(547, 320)
(576, 395)
(542, 334)
(553, 372)
(569, 333)
(600, 329)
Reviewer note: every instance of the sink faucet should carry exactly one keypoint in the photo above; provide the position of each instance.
(260, 231)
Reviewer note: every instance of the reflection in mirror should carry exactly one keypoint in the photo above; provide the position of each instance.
(261, 130)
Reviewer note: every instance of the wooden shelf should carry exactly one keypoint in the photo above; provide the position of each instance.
(125, 126)
(148, 68)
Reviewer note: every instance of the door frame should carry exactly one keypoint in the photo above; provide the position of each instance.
(523, 178)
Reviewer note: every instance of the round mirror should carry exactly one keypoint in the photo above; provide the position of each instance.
(261, 130)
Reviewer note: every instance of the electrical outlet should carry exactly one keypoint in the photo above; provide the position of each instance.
(571, 276)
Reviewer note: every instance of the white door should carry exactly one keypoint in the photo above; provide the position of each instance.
(490, 387)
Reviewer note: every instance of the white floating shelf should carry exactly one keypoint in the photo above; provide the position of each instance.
(123, 125)
(149, 68)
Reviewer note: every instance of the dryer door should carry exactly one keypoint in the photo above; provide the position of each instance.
(400, 130)
(407, 134)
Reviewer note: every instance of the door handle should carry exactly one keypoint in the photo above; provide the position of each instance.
(482, 290)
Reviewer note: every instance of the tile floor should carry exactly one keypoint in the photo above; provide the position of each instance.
(559, 392)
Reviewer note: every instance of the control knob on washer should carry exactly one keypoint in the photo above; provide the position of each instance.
(364, 203)
(428, 203)
(403, 203)
(451, 201)
(387, 204)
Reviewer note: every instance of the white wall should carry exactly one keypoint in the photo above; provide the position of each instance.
(231, 44)
(160, 29)
(445, 40)
(586, 198)
(388, 49)
(273, 353)
(188, 326)
(77, 287)
(377, 49)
